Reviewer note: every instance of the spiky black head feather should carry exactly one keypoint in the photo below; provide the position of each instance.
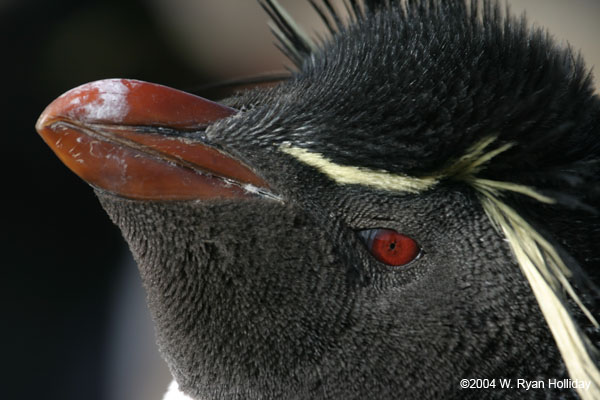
(455, 125)
(411, 88)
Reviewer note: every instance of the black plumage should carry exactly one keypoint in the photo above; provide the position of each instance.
(453, 124)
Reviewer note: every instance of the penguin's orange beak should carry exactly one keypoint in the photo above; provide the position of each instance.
(144, 141)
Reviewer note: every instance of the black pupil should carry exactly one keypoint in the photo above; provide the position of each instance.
(392, 245)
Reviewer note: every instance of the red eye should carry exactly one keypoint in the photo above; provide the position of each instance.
(390, 247)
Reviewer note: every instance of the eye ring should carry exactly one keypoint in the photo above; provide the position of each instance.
(390, 247)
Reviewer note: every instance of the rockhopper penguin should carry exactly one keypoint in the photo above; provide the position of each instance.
(417, 204)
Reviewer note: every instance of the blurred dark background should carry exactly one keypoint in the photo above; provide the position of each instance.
(74, 323)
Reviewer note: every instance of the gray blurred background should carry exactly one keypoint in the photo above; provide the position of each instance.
(75, 325)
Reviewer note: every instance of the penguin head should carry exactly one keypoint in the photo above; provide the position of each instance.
(402, 213)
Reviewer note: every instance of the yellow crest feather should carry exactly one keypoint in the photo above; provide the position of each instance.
(544, 269)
